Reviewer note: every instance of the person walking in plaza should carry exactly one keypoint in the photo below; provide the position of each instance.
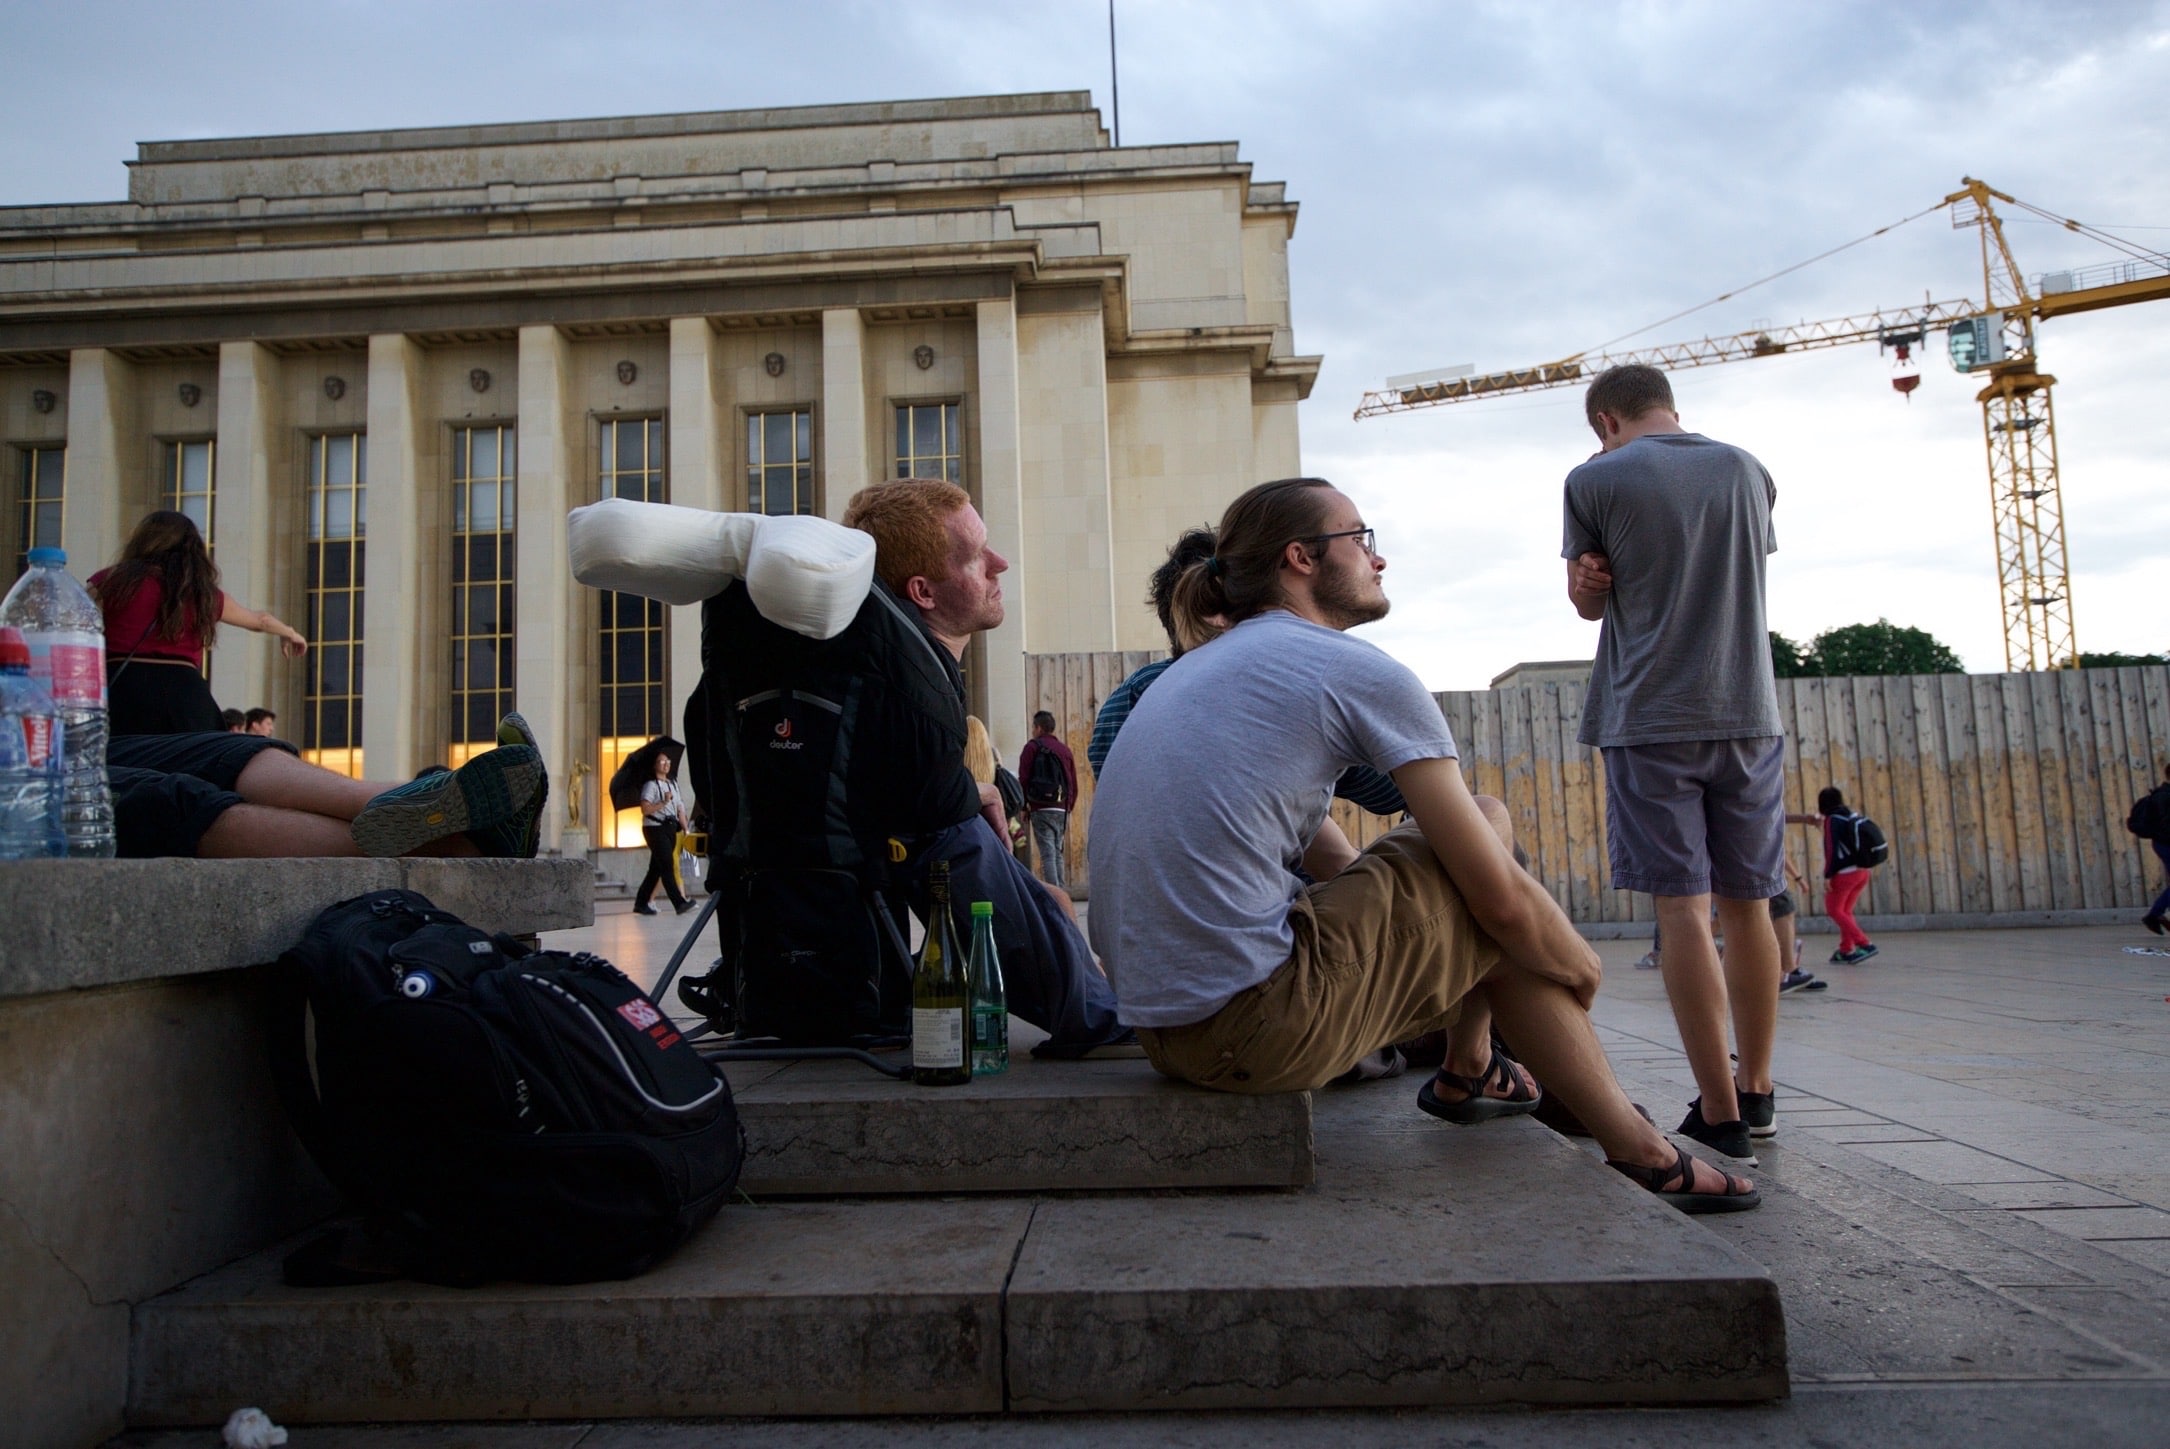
(1845, 872)
(2150, 820)
(662, 816)
(1049, 775)
(1665, 537)
(163, 605)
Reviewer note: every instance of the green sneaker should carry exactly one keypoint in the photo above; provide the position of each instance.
(487, 793)
(521, 837)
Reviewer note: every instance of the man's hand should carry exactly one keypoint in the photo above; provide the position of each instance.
(1589, 584)
(991, 808)
(1504, 899)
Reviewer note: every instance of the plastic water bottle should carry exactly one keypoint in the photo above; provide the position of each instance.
(66, 635)
(29, 759)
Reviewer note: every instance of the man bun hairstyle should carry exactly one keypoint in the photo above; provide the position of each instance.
(908, 518)
(1243, 576)
(1195, 546)
(1627, 392)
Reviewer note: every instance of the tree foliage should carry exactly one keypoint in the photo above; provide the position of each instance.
(2115, 660)
(1879, 648)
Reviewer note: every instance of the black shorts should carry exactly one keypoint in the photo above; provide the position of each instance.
(168, 789)
(156, 697)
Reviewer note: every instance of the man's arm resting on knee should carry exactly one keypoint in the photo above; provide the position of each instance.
(1329, 853)
(1505, 899)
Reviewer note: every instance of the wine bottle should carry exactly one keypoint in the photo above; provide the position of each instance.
(941, 996)
(990, 1004)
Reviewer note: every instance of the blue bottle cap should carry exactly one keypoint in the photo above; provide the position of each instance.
(57, 557)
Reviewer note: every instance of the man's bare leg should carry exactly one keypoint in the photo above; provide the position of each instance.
(269, 832)
(1553, 1035)
(1752, 969)
(1696, 987)
(275, 777)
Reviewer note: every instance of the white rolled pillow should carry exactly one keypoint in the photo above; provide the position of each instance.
(807, 574)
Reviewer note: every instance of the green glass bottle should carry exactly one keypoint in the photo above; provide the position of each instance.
(941, 996)
(990, 1003)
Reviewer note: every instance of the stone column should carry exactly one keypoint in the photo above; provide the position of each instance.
(393, 580)
(105, 491)
(700, 452)
(550, 430)
(845, 468)
(1002, 504)
(245, 526)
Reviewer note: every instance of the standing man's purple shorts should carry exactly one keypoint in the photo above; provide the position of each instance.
(1697, 817)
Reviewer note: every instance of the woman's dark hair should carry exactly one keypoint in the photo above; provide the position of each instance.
(1243, 577)
(1829, 801)
(1195, 546)
(166, 547)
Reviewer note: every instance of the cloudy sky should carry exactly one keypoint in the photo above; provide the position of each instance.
(1495, 184)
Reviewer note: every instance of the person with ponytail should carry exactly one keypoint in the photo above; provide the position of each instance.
(163, 606)
(1237, 974)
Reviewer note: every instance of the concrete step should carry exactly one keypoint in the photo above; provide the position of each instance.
(1430, 1266)
(827, 1128)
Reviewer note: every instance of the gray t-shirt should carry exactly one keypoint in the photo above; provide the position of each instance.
(1684, 653)
(1217, 783)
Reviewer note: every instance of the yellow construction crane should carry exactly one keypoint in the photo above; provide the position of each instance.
(1994, 338)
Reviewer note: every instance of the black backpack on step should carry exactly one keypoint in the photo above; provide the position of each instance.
(495, 1112)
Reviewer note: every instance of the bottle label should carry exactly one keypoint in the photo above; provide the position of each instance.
(71, 666)
(937, 1037)
(37, 741)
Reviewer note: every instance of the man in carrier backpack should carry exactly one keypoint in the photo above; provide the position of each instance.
(897, 796)
(1050, 776)
(2150, 820)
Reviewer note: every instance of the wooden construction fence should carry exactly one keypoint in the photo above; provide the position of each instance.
(2000, 793)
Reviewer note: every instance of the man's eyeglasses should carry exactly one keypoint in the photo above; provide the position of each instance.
(1367, 539)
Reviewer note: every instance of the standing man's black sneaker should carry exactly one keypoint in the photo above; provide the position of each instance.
(1760, 1111)
(1730, 1138)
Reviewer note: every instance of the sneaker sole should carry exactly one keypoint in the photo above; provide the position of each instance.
(397, 827)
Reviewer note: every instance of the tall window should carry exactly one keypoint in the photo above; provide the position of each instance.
(927, 442)
(780, 462)
(633, 645)
(186, 486)
(331, 705)
(37, 501)
(483, 467)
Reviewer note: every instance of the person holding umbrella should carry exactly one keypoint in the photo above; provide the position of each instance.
(662, 817)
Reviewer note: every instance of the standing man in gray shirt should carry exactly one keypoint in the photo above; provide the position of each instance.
(1666, 536)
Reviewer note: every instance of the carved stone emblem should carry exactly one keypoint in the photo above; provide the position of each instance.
(479, 379)
(190, 394)
(43, 400)
(335, 388)
(627, 372)
(774, 362)
(923, 356)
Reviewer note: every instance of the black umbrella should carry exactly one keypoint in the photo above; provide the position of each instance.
(639, 768)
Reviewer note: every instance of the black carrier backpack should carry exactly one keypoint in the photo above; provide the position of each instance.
(813, 751)
(495, 1112)
(1045, 788)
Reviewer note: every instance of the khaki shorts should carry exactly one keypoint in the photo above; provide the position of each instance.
(1385, 951)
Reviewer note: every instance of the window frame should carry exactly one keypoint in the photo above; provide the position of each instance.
(817, 485)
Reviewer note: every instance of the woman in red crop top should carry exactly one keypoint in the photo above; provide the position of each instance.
(163, 605)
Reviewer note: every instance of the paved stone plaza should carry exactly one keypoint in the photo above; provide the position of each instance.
(1967, 1212)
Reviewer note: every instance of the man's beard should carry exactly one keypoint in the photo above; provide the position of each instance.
(1346, 603)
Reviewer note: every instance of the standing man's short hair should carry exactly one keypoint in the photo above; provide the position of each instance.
(260, 715)
(1044, 720)
(236, 721)
(1627, 392)
(908, 518)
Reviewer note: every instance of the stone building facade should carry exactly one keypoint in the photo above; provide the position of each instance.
(381, 366)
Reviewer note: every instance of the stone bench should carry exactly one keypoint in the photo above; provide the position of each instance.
(141, 1142)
